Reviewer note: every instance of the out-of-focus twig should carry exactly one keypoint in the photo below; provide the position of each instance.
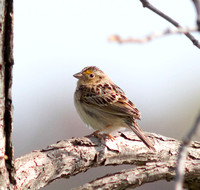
(197, 7)
(146, 4)
(116, 38)
(182, 156)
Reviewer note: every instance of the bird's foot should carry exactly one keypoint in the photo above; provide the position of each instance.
(101, 136)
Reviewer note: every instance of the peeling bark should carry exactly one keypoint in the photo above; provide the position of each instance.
(151, 172)
(70, 157)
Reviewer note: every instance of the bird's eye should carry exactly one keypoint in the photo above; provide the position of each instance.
(91, 75)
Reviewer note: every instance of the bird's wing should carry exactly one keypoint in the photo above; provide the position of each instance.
(109, 98)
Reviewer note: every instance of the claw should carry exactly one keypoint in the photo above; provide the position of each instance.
(96, 134)
(110, 136)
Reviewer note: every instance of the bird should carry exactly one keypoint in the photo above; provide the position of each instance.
(103, 106)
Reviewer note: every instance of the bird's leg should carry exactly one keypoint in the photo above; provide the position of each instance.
(108, 135)
(96, 133)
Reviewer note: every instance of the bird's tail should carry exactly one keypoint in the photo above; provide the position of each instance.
(136, 129)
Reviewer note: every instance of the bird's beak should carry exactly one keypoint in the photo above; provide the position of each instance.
(78, 75)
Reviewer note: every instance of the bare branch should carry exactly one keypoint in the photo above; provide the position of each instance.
(6, 63)
(116, 38)
(197, 7)
(142, 174)
(68, 158)
(146, 4)
(182, 156)
(9, 62)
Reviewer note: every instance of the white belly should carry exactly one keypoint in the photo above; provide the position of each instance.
(98, 120)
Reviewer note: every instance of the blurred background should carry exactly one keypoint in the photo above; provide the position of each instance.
(55, 39)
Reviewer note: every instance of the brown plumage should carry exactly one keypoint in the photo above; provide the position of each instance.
(100, 103)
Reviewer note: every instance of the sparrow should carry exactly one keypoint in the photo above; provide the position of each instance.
(104, 106)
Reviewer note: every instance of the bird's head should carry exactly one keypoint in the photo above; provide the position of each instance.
(91, 75)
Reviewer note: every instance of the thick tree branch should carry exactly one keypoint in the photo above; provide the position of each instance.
(68, 158)
(151, 172)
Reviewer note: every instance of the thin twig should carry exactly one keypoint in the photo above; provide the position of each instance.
(183, 152)
(197, 7)
(116, 38)
(146, 4)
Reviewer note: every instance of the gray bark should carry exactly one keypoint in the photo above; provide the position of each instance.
(70, 157)
(135, 177)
